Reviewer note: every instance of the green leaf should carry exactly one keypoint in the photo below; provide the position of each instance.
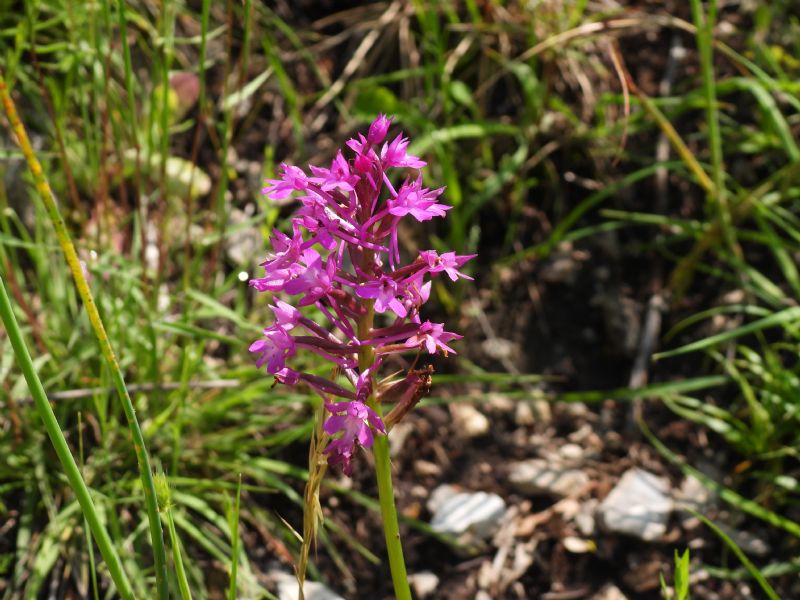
(787, 318)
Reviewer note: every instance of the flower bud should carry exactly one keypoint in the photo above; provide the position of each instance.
(378, 129)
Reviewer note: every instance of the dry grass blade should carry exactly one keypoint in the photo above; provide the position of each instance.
(359, 55)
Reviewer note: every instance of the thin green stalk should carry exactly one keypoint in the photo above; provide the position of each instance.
(383, 472)
(164, 114)
(188, 270)
(68, 463)
(704, 35)
(233, 520)
(133, 122)
(180, 571)
(128, 63)
(89, 546)
(225, 134)
(751, 568)
(145, 473)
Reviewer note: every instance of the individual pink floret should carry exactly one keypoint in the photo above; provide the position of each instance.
(394, 154)
(274, 348)
(353, 422)
(417, 201)
(379, 129)
(432, 336)
(384, 291)
(449, 262)
(293, 179)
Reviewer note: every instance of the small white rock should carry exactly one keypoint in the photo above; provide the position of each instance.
(578, 545)
(639, 505)
(532, 412)
(440, 495)
(476, 513)
(571, 452)
(694, 494)
(469, 420)
(748, 542)
(288, 588)
(423, 584)
(242, 244)
(537, 476)
(609, 592)
(426, 468)
(500, 402)
(584, 520)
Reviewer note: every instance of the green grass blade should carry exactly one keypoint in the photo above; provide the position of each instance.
(751, 568)
(68, 463)
(784, 317)
(234, 527)
(745, 505)
(704, 35)
(71, 256)
(180, 572)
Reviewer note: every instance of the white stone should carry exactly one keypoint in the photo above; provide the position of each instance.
(571, 452)
(426, 468)
(584, 520)
(693, 494)
(440, 495)
(469, 420)
(578, 545)
(609, 592)
(288, 588)
(639, 505)
(532, 412)
(476, 513)
(538, 476)
(423, 584)
(749, 543)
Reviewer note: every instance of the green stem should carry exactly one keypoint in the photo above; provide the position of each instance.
(180, 571)
(233, 524)
(71, 256)
(71, 470)
(383, 473)
(391, 528)
(704, 35)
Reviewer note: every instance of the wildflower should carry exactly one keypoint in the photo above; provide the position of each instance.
(343, 258)
(293, 179)
(286, 315)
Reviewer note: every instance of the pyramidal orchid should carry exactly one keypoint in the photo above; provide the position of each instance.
(343, 257)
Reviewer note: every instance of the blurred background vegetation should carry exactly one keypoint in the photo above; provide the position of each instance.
(628, 173)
